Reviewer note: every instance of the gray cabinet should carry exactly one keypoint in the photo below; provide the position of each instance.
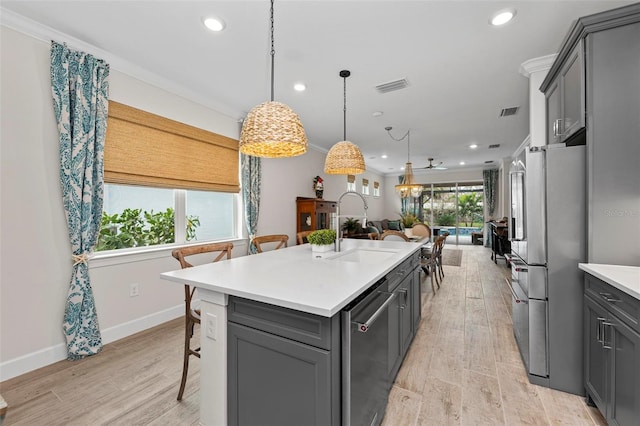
(612, 352)
(565, 98)
(613, 144)
(404, 314)
(277, 381)
(283, 366)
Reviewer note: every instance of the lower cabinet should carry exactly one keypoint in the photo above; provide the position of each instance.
(283, 366)
(404, 318)
(612, 355)
(277, 381)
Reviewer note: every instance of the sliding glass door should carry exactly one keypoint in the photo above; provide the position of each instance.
(456, 208)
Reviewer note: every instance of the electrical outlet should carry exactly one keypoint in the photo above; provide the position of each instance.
(134, 289)
(212, 326)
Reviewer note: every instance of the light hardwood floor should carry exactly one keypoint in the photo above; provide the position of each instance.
(463, 368)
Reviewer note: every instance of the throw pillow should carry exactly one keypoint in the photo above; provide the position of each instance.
(394, 225)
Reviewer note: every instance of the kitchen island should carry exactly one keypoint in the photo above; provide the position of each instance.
(294, 283)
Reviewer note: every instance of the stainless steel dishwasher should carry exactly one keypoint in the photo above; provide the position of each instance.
(365, 349)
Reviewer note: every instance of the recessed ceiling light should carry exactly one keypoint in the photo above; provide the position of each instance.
(300, 87)
(462, 163)
(502, 17)
(213, 23)
(473, 146)
(377, 113)
(384, 156)
(402, 168)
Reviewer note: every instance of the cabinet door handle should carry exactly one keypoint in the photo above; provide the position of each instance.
(557, 124)
(405, 296)
(599, 329)
(605, 343)
(609, 298)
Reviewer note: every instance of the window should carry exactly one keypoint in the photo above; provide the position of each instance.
(351, 183)
(166, 182)
(376, 189)
(365, 186)
(137, 216)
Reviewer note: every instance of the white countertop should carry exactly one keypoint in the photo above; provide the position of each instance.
(293, 278)
(624, 278)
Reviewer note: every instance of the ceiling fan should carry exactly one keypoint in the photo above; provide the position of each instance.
(432, 166)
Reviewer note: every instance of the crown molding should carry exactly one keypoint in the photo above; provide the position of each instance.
(543, 63)
(34, 29)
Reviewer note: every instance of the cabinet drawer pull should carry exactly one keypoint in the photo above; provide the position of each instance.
(609, 298)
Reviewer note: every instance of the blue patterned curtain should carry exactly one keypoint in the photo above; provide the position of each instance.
(490, 182)
(79, 83)
(251, 180)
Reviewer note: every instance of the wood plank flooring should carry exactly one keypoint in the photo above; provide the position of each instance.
(463, 368)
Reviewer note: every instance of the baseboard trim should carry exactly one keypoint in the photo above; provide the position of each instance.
(42, 358)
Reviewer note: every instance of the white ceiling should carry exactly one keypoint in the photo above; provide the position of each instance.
(461, 71)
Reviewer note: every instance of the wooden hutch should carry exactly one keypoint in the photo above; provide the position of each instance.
(313, 213)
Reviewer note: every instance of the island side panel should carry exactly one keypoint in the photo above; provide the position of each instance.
(213, 358)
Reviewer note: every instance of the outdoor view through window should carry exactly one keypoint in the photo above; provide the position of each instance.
(136, 216)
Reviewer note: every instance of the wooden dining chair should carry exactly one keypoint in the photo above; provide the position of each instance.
(445, 234)
(220, 251)
(394, 235)
(279, 239)
(421, 230)
(429, 262)
(301, 237)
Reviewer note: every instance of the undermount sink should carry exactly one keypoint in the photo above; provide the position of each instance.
(363, 255)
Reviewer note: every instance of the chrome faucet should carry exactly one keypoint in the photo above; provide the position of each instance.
(338, 216)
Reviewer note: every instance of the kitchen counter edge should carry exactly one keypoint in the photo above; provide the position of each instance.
(624, 278)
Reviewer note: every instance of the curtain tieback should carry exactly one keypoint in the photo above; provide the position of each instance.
(80, 258)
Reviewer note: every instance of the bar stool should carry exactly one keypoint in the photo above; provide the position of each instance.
(280, 239)
(192, 315)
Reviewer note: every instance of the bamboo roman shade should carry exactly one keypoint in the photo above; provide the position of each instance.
(145, 149)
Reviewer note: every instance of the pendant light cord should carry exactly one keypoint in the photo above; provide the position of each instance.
(273, 53)
(406, 135)
(344, 110)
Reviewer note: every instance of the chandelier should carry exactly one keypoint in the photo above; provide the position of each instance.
(408, 187)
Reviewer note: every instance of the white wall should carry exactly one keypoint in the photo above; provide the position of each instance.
(35, 266)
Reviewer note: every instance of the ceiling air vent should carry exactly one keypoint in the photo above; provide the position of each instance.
(495, 145)
(509, 111)
(392, 85)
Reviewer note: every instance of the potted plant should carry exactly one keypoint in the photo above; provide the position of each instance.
(350, 225)
(408, 220)
(322, 240)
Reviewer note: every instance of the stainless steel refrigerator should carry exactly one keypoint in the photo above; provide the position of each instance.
(548, 240)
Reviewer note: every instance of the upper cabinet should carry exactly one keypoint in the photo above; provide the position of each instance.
(565, 98)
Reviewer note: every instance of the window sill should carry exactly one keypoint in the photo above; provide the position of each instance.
(119, 257)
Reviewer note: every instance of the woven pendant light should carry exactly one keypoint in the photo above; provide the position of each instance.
(344, 158)
(408, 187)
(272, 129)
